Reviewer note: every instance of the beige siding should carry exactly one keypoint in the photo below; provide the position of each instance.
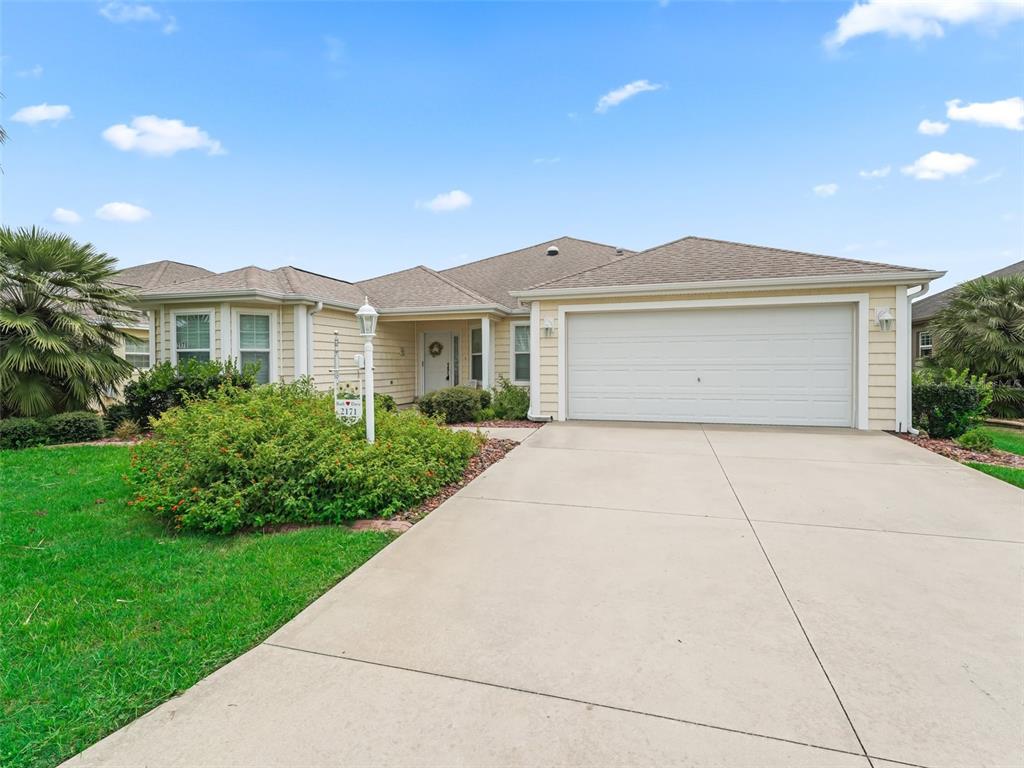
(501, 330)
(394, 361)
(881, 346)
(286, 344)
(326, 323)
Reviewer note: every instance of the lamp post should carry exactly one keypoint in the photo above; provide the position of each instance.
(367, 318)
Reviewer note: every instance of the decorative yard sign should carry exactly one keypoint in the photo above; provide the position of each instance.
(349, 411)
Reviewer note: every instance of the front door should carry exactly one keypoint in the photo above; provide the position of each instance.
(437, 361)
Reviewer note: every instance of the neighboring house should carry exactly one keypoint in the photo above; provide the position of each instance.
(694, 330)
(927, 308)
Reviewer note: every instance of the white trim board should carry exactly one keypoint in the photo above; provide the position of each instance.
(512, 325)
(236, 328)
(860, 300)
(174, 330)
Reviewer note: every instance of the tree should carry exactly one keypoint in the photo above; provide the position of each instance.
(58, 316)
(982, 330)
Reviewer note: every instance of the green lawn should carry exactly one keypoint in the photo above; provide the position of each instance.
(1011, 440)
(105, 614)
(1011, 475)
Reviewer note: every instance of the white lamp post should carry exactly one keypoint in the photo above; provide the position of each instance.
(367, 317)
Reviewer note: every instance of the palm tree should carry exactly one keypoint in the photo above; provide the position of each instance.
(982, 330)
(58, 318)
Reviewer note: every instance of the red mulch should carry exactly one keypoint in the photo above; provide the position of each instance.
(949, 449)
(502, 423)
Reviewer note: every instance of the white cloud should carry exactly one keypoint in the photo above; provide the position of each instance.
(34, 72)
(918, 19)
(826, 190)
(154, 135)
(65, 216)
(877, 173)
(126, 13)
(447, 201)
(42, 113)
(619, 95)
(1008, 113)
(932, 127)
(939, 165)
(990, 177)
(122, 212)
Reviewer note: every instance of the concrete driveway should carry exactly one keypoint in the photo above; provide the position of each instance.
(650, 595)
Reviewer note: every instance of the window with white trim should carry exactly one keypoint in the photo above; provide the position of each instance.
(924, 344)
(254, 344)
(136, 352)
(521, 352)
(476, 354)
(193, 337)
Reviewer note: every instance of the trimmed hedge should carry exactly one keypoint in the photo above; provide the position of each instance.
(949, 406)
(510, 401)
(454, 405)
(71, 427)
(22, 433)
(276, 454)
(165, 386)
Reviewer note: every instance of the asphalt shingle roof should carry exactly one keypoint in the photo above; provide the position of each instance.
(697, 259)
(158, 273)
(419, 287)
(929, 306)
(283, 282)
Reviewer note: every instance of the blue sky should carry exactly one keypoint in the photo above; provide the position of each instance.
(325, 135)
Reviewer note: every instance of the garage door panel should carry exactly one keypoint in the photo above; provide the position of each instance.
(776, 365)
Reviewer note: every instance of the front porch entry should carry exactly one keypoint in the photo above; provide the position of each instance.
(440, 357)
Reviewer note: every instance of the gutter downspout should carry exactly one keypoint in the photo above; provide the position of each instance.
(310, 366)
(921, 291)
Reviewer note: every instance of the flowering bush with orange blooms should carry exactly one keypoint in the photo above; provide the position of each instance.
(276, 454)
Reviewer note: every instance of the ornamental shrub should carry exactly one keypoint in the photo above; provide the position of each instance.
(22, 433)
(383, 402)
(949, 405)
(115, 414)
(165, 386)
(74, 427)
(977, 440)
(276, 454)
(453, 405)
(510, 401)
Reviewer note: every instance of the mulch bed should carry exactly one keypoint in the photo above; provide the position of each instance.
(502, 423)
(949, 449)
(490, 453)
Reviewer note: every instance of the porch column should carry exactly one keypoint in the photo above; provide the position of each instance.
(535, 409)
(225, 332)
(485, 349)
(299, 341)
(152, 337)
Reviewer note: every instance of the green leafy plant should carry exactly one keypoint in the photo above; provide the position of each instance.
(22, 433)
(485, 414)
(382, 402)
(510, 401)
(981, 330)
(950, 404)
(277, 454)
(127, 429)
(453, 405)
(976, 440)
(165, 386)
(74, 427)
(60, 319)
(115, 414)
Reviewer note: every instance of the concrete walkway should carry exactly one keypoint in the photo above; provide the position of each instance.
(650, 595)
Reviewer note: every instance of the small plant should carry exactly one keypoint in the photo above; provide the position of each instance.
(165, 386)
(976, 440)
(127, 429)
(22, 433)
(485, 414)
(949, 405)
(511, 402)
(74, 427)
(115, 414)
(454, 405)
(383, 402)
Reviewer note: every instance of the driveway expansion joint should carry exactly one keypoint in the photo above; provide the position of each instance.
(570, 699)
(608, 509)
(792, 607)
(1013, 542)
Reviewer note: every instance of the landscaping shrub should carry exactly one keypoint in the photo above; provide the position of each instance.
(383, 402)
(976, 440)
(115, 414)
(485, 398)
(510, 401)
(165, 386)
(276, 454)
(454, 405)
(485, 414)
(74, 427)
(127, 429)
(22, 433)
(949, 405)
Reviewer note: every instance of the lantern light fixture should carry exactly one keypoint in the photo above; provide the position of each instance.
(367, 318)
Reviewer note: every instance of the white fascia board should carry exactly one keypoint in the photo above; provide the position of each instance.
(164, 298)
(708, 286)
(493, 308)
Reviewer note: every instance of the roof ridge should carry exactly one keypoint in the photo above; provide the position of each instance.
(318, 274)
(632, 255)
(286, 272)
(800, 253)
(526, 248)
(458, 286)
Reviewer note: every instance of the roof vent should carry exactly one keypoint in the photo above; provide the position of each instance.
(552, 250)
(619, 251)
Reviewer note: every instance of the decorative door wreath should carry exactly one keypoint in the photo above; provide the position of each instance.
(435, 348)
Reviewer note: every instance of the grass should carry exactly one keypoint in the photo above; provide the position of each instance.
(106, 614)
(1011, 475)
(1010, 440)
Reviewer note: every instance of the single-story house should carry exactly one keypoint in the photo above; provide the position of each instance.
(927, 308)
(694, 330)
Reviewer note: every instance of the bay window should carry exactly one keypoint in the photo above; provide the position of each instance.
(193, 339)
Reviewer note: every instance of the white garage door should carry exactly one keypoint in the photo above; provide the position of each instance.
(761, 365)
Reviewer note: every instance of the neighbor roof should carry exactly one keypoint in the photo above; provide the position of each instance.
(497, 276)
(283, 282)
(929, 306)
(159, 273)
(697, 259)
(419, 288)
